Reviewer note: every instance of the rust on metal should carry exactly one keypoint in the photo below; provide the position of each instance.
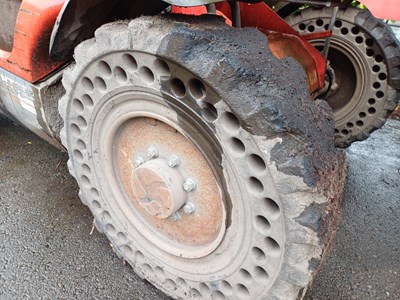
(156, 189)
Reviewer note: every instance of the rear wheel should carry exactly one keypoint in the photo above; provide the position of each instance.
(183, 150)
(365, 57)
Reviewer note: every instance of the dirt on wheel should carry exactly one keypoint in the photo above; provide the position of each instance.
(273, 174)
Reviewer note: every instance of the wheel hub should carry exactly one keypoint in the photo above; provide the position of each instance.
(158, 188)
(171, 193)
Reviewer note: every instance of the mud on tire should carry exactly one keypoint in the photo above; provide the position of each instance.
(267, 178)
(365, 55)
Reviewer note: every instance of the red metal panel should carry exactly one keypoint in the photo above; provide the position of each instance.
(283, 40)
(29, 58)
(383, 9)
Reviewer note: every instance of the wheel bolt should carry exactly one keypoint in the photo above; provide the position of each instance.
(189, 185)
(152, 152)
(174, 161)
(189, 208)
(139, 161)
(175, 217)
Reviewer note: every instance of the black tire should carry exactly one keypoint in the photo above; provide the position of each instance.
(246, 131)
(366, 58)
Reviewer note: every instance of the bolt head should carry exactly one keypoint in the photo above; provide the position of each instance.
(175, 217)
(152, 152)
(189, 185)
(139, 161)
(189, 208)
(174, 161)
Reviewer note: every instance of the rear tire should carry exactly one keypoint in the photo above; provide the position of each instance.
(365, 56)
(267, 179)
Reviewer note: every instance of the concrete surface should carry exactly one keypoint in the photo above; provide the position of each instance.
(47, 251)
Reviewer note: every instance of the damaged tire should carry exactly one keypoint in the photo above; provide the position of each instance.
(365, 56)
(202, 157)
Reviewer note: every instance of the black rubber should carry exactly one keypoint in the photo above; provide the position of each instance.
(280, 173)
(370, 41)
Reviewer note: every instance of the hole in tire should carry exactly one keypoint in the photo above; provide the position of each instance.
(242, 291)
(100, 84)
(270, 207)
(261, 274)
(197, 89)
(230, 122)
(273, 248)
(78, 106)
(378, 58)
(338, 23)
(87, 84)
(359, 40)
(255, 185)
(78, 156)
(120, 74)
(376, 68)
(263, 225)
(257, 163)
(380, 94)
(369, 42)
(178, 87)
(104, 68)
(209, 112)
(382, 76)
(355, 30)
(82, 122)
(237, 146)
(258, 254)
(376, 85)
(146, 74)
(161, 68)
(129, 62)
(245, 274)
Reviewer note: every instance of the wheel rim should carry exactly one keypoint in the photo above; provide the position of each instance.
(350, 76)
(192, 114)
(356, 107)
(140, 147)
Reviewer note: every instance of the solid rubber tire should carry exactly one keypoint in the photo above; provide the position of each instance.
(368, 111)
(274, 119)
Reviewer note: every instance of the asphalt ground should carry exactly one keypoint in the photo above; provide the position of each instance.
(49, 250)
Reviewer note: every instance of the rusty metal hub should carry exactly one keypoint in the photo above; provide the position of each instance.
(158, 188)
(170, 188)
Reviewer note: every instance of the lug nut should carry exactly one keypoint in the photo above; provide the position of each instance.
(139, 161)
(189, 185)
(152, 152)
(189, 208)
(175, 217)
(174, 161)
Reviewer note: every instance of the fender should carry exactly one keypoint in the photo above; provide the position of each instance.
(78, 20)
(383, 9)
(29, 57)
(191, 3)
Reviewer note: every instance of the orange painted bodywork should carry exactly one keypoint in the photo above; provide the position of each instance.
(387, 9)
(29, 58)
